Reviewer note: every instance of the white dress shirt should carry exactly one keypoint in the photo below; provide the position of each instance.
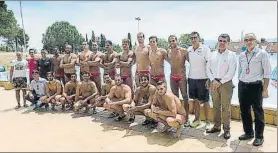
(222, 66)
(198, 61)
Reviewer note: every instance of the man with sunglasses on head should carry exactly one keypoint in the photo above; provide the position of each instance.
(53, 91)
(142, 100)
(198, 55)
(124, 62)
(68, 63)
(254, 72)
(177, 57)
(32, 63)
(86, 94)
(69, 92)
(94, 62)
(37, 89)
(157, 57)
(109, 59)
(83, 58)
(221, 68)
(142, 60)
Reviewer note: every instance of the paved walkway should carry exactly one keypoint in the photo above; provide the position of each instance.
(26, 130)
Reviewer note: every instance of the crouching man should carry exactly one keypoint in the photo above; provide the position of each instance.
(119, 95)
(37, 89)
(167, 109)
(68, 96)
(86, 93)
(53, 91)
(142, 100)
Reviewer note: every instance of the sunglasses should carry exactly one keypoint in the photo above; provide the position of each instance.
(73, 76)
(224, 41)
(153, 41)
(250, 39)
(193, 38)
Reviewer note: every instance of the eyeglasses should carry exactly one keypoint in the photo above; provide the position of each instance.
(193, 38)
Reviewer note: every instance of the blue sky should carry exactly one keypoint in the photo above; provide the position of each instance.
(115, 19)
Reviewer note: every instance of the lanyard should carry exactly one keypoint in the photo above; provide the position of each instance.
(248, 62)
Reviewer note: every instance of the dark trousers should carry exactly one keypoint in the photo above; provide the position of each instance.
(250, 94)
(35, 100)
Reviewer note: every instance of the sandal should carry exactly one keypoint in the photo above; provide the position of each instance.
(119, 118)
(25, 105)
(17, 107)
(131, 120)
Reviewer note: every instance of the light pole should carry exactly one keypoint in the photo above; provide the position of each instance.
(138, 19)
(23, 28)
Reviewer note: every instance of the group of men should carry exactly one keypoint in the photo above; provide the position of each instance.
(55, 80)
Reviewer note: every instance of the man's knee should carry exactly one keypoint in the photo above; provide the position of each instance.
(172, 122)
(126, 107)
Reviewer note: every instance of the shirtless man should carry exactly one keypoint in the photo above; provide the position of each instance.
(157, 57)
(124, 62)
(142, 99)
(119, 95)
(53, 91)
(108, 60)
(94, 62)
(167, 109)
(55, 67)
(177, 57)
(83, 58)
(105, 89)
(141, 58)
(68, 63)
(68, 96)
(86, 93)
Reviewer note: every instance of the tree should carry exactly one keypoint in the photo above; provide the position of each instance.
(86, 38)
(8, 23)
(102, 42)
(162, 43)
(93, 37)
(129, 38)
(185, 40)
(117, 48)
(60, 33)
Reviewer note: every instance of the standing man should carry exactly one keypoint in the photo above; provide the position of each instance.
(157, 57)
(125, 60)
(68, 63)
(44, 64)
(108, 60)
(55, 62)
(198, 55)
(32, 63)
(254, 73)
(141, 58)
(221, 68)
(177, 57)
(94, 62)
(18, 78)
(83, 59)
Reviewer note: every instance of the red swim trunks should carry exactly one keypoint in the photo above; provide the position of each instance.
(158, 77)
(176, 77)
(143, 72)
(95, 74)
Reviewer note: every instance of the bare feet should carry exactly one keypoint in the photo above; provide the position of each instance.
(178, 133)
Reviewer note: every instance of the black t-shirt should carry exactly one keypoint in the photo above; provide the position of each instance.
(44, 66)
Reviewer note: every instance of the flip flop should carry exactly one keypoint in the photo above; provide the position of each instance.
(119, 118)
(25, 105)
(17, 107)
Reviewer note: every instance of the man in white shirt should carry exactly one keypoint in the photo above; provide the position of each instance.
(37, 89)
(221, 69)
(198, 55)
(18, 77)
